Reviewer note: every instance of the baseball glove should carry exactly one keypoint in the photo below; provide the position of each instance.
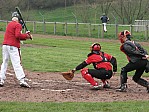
(68, 75)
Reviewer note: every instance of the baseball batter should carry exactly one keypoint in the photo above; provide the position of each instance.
(11, 50)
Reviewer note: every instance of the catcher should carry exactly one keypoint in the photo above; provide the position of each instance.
(102, 63)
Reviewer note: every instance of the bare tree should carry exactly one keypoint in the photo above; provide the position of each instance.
(130, 10)
(82, 10)
(105, 6)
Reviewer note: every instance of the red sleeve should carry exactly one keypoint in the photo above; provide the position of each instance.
(93, 59)
(18, 33)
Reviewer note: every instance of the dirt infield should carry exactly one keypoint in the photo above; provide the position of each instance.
(53, 87)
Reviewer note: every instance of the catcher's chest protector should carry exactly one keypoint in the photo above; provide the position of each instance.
(104, 59)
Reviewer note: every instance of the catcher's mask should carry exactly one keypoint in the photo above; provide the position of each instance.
(124, 34)
(95, 47)
(15, 14)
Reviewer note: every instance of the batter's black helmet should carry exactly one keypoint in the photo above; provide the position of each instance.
(15, 14)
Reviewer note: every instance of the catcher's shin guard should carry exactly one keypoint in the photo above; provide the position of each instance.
(143, 83)
(88, 77)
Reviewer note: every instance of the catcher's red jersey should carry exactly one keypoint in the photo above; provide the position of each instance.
(98, 62)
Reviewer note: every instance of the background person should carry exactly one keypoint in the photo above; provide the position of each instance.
(104, 20)
(137, 57)
(11, 50)
(102, 67)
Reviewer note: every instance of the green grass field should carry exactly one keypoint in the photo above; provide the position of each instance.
(56, 55)
(75, 107)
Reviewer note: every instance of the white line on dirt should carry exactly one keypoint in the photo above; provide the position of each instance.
(56, 90)
(69, 82)
(9, 73)
(36, 83)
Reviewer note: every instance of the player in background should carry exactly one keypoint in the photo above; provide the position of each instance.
(104, 20)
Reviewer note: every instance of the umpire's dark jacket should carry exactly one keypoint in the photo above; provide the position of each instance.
(133, 50)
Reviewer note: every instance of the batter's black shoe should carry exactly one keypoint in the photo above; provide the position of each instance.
(123, 88)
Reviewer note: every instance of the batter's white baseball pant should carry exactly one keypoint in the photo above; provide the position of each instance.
(12, 53)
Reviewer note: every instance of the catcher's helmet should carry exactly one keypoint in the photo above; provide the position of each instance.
(124, 34)
(95, 47)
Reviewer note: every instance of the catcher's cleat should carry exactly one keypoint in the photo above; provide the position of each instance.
(98, 87)
(106, 85)
(123, 88)
(1, 83)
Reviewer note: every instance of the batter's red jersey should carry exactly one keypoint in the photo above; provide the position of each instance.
(13, 34)
(97, 60)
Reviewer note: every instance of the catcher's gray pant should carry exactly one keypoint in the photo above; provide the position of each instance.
(14, 54)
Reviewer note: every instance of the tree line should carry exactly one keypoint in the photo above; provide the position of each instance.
(125, 10)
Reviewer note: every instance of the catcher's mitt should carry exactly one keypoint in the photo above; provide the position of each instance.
(68, 75)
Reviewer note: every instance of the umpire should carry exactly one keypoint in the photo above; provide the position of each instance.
(137, 57)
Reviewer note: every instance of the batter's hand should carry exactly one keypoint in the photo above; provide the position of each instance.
(29, 36)
(146, 56)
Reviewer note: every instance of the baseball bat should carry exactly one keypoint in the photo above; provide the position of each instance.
(21, 18)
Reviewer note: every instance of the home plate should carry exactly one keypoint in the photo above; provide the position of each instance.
(56, 90)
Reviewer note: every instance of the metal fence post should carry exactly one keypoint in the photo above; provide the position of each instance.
(146, 32)
(116, 30)
(54, 28)
(131, 29)
(102, 31)
(77, 25)
(98, 30)
(65, 29)
(44, 27)
(34, 27)
(89, 30)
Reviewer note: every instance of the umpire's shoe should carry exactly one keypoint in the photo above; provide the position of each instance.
(23, 83)
(123, 88)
